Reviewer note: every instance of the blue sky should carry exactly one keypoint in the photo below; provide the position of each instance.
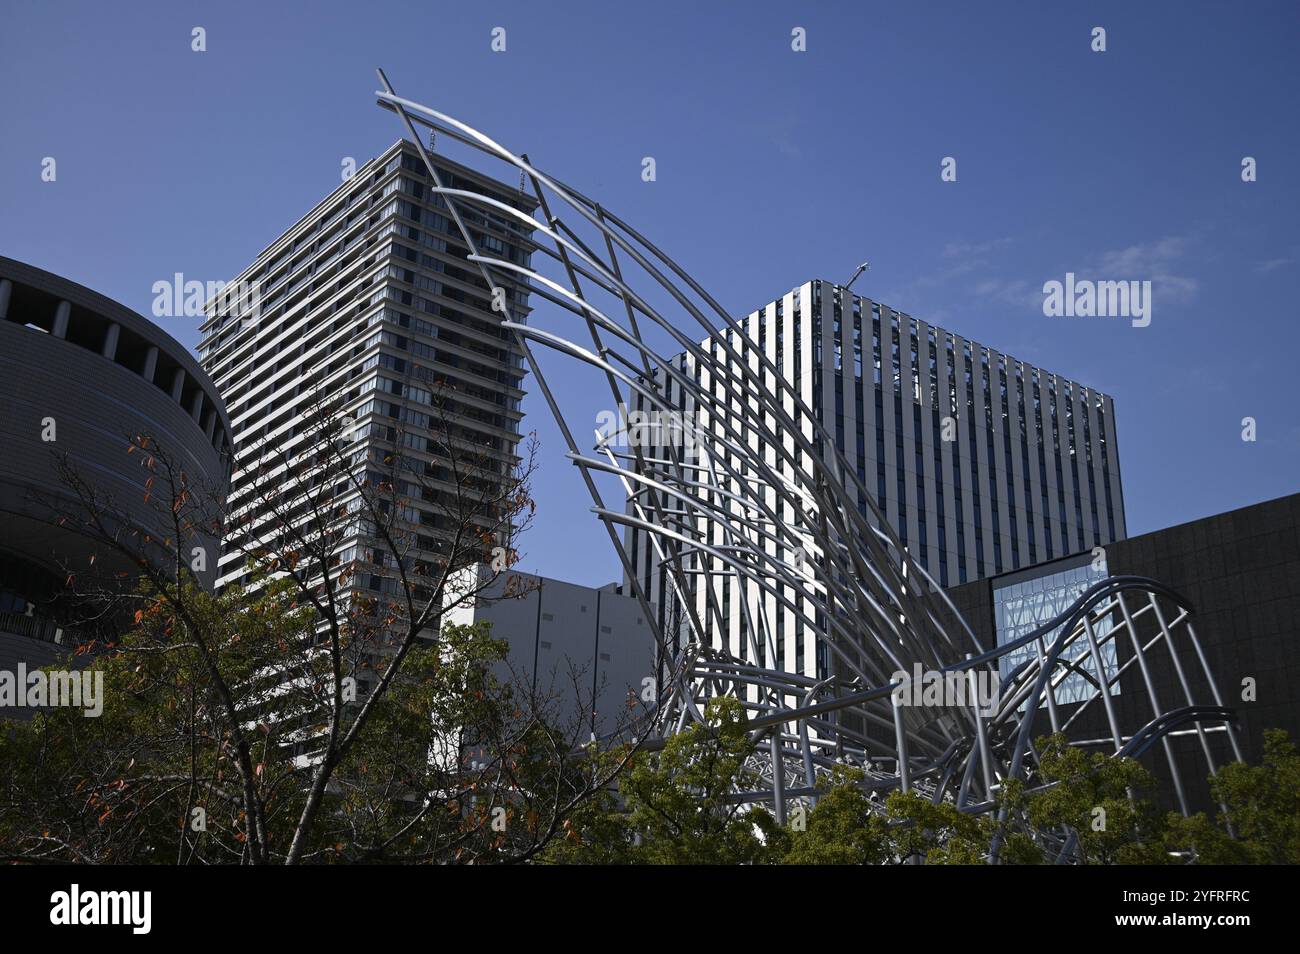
(773, 167)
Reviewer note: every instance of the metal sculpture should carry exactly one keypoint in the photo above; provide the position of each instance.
(762, 492)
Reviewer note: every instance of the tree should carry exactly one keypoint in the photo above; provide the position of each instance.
(317, 709)
(455, 768)
(844, 828)
(1262, 805)
(682, 806)
(1094, 799)
(677, 805)
(1085, 806)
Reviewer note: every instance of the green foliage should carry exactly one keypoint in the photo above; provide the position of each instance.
(217, 707)
(939, 833)
(841, 829)
(847, 828)
(125, 786)
(1263, 807)
(220, 706)
(1098, 797)
(676, 806)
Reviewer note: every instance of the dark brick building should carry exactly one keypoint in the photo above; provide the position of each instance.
(1240, 571)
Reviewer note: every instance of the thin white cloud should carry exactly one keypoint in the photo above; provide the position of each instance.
(1152, 261)
(1016, 292)
(1162, 262)
(969, 250)
(1273, 264)
(1144, 258)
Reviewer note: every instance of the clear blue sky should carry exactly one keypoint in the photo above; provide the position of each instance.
(773, 167)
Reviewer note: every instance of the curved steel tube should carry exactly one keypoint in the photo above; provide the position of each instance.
(761, 492)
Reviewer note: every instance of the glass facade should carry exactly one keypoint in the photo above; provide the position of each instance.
(1022, 606)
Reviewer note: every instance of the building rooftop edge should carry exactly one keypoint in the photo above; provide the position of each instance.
(398, 145)
(88, 298)
(979, 344)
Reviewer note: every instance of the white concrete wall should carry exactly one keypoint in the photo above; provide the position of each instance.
(569, 644)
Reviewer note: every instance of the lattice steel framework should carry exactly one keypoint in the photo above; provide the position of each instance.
(761, 490)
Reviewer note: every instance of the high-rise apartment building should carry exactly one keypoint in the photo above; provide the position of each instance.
(368, 302)
(981, 463)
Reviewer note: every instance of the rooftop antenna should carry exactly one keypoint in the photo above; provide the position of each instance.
(861, 268)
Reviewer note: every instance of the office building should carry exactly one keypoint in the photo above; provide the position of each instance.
(980, 462)
(1239, 572)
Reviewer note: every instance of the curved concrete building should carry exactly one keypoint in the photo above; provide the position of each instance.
(91, 374)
